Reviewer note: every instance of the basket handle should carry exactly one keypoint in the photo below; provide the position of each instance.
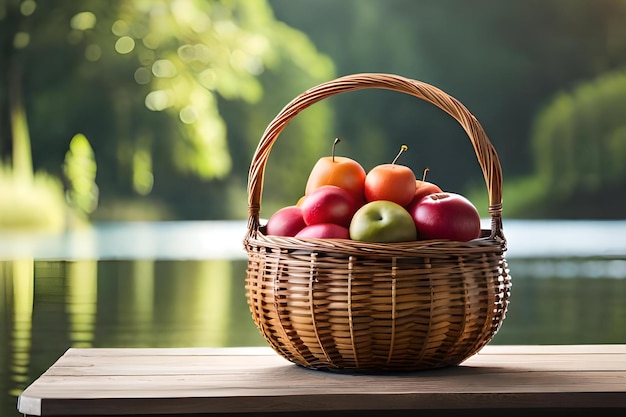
(485, 152)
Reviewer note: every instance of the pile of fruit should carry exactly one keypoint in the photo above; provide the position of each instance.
(387, 204)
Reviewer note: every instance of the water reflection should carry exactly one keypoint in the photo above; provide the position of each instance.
(81, 301)
(22, 285)
(48, 306)
(566, 309)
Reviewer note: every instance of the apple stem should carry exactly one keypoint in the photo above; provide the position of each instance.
(337, 140)
(402, 149)
(424, 174)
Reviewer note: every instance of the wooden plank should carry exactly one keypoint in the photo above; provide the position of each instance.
(117, 352)
(266, 351)
(216, 380)
(73, 366)
(190, 361)
(553, 349)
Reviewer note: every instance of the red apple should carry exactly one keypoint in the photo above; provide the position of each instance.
(324, 231)
(445, 216)
(339, 171)
(286, 221)
(328, 204)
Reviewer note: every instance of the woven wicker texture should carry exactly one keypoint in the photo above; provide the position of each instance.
(350, 305)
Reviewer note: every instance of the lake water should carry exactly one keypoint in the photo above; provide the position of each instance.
(180, 284)
(223, 240)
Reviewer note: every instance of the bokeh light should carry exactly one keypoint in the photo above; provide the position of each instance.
(83, 21)
(125, 45)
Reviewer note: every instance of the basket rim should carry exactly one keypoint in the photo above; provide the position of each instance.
(485, 152)
(434, 248)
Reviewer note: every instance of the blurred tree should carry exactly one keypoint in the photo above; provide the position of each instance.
(79, 169)
(503, 60)
(579, 141)
(174, 96)
(145, 82)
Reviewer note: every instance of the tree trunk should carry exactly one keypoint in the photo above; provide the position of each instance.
(22, 155)
(9, 26)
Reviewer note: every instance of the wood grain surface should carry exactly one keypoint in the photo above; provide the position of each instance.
(128, 381)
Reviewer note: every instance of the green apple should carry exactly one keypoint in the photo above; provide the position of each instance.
(382, 221)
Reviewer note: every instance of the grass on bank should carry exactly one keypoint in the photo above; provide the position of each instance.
(35, 202)
(521, 198)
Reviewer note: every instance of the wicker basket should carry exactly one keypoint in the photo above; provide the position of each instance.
(351, 305)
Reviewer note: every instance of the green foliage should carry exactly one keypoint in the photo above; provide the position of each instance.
(306, 138)
(80, 170)
(579, 139)
(34, 203)
(37, 200)
(579, 143)
(174, 96)
(521, 198)
(502, 63)
(150, 84)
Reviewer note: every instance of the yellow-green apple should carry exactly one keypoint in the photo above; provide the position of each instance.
(340, 171)
(445, 216)
(286, 221)
(382, 221)
(328, 204)
(324, 231)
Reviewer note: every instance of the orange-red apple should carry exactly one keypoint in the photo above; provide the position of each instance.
(390, 182)
(339, 171)
(423, 188)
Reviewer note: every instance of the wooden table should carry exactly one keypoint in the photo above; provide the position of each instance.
(245, 381)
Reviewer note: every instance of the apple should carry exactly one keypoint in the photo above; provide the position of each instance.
(423, 188)
(286, 221)
(390, 182)
(324, 231)
(445, 216)
(382, 221)
(339, 171)
(328, 204)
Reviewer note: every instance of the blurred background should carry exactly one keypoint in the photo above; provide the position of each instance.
(127, 129)
(132, 110)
